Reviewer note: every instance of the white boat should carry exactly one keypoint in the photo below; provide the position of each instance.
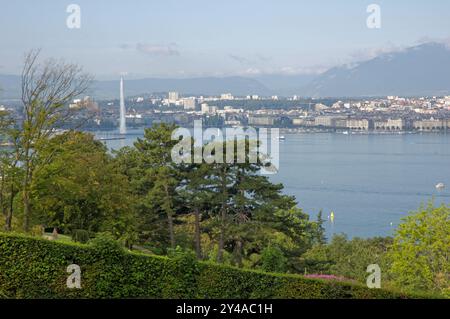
(440, 186)
(282, 138)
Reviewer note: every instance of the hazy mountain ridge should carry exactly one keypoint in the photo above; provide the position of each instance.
(197, 86)
(285, 84)
(10, 86)
(419, 70)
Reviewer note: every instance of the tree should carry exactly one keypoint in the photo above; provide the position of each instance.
(46, 89)
(347, 258)
(273, 260)
(154, 179)
(234, 210)
(197, 197)
(77, 188)
(319, 233)
(292, 232)
(420, 254)
(10, 171)
(245, 200)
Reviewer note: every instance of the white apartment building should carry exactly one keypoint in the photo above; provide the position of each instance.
(173, 97)
(189, 103)
(226, 96)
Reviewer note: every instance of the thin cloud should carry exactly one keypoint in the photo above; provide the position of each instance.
(252, 71)
(158, 50)
(304, 70)
(286, 70)
(424, 40)
(258, 58)
(153, 49)
(263, 58)
(239, 59)
(371, 53)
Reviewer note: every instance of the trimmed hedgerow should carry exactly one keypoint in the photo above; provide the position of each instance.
(36, 268)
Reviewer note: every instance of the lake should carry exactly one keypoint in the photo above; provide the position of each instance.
(369, 181)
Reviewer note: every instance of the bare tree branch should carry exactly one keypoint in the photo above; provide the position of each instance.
(47, 89)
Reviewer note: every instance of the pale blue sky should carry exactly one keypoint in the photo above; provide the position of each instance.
(210, 37)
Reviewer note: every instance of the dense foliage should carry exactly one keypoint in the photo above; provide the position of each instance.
(347, 258)
(36, 268)
(420, 255)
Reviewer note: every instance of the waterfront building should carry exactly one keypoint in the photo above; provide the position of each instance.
(431, 125)
(325, 121)
(389, 125)
(261, 120)
(358, 124)
(340, 123)
(304, 121)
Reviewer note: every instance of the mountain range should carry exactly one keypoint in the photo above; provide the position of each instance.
(196, 86)
(417, 71)
(421, 70)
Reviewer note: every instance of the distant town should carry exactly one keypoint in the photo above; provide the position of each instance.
(375, 115)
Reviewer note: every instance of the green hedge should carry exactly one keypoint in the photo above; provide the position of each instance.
(36, 268)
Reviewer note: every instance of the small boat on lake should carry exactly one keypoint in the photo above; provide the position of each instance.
(440, 186)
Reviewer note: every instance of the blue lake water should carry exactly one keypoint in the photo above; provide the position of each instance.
(369, 181)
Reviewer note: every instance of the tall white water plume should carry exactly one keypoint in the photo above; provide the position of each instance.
(123, 124)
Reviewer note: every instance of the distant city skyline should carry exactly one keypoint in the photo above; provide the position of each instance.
(207, 38)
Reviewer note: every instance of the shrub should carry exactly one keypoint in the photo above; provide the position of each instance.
(81, 236)
(421, 251)
(36, 268)
(273, 260)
